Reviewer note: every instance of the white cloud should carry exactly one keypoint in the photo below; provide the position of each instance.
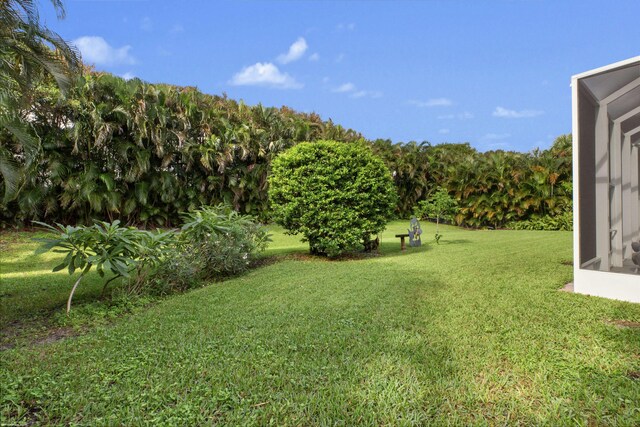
(176, 29)
(495, 136)
(128, 75)
(513, 114)
(460, 116)
(350, 26)
(314, 57)
(433, 102)
(163, 51)
(345, 87)
(296, 50)
(498, 146)
(444, 131)
(340, 58)
(264, 74)
(354, 92)
(146, 24)
(95, 50)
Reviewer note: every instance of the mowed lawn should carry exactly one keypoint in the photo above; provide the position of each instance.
(471, 331)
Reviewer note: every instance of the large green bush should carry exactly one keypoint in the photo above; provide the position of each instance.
(335, 194)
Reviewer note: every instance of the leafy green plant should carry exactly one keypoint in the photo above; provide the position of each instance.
(332, 193)
(561, 222)
(107, 246)
(151, 250)
(178, 272)
(439, 206)
(214, 242)
(221, 241)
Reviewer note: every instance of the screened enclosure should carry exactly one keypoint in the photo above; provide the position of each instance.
(606, 138)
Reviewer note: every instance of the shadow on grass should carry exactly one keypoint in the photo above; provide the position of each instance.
(454, 241)
(38, 295)
(392, 249)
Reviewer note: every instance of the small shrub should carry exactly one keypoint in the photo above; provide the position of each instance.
(439, 207)
(221, 241)
(335, 194)
(177, 273)
(108, 247)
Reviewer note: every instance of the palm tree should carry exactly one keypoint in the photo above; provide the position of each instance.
(28, 52)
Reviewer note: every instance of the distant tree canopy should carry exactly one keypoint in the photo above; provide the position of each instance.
(143, 153)
(491, 188)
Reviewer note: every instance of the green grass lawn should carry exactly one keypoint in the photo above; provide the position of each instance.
(471, 331)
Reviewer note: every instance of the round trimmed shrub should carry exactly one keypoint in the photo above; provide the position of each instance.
(335, 194)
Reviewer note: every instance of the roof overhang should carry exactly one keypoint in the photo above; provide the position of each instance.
(617, 88)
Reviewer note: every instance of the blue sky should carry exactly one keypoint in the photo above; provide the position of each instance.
(492, 73)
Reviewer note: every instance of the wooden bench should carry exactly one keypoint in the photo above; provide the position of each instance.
(403, 246)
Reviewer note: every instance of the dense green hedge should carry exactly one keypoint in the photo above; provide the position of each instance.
(143, 153)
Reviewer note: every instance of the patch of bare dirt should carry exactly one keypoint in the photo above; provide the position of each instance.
(624, 324)
(33, 333)
(567, 288)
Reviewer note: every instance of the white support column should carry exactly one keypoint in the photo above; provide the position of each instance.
(603, 236)
(627, 214)
(615, 199)
(635, 190)
(635, 193)
(634, 178)
(628, 228)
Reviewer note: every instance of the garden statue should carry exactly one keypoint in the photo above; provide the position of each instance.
(414, 232)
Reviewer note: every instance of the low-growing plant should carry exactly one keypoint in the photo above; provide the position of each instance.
(222, 241)
(561, 222)
(214, 242)
(153, 250)
(177, 273)
(107, 246)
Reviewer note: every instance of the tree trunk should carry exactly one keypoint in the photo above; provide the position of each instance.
(72, 292)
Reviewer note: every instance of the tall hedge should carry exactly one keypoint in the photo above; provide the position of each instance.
(143, 153)
(336, 195)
